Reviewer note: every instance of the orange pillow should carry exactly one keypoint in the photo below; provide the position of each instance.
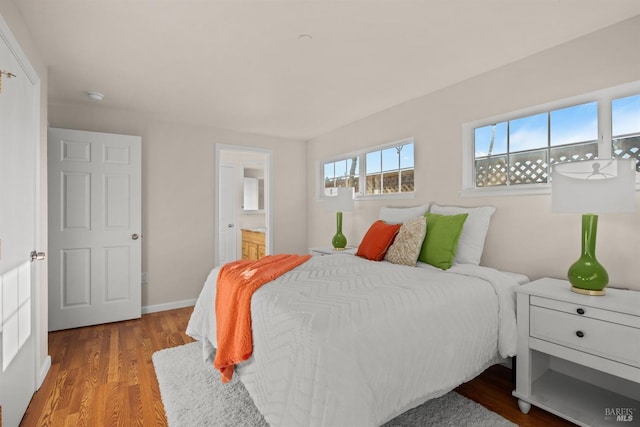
(379, 237)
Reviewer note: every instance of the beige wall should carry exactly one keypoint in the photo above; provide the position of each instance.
(12, 17)
(524, 236)
(178, 191)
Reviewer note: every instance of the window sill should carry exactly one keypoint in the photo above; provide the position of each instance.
(520, 190)
(391, 196)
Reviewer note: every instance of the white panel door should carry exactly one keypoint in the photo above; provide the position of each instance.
(228, 233)
(19, 130)
(94, 228)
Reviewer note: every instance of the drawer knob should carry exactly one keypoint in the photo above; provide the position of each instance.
(580, 311)
(580, 334)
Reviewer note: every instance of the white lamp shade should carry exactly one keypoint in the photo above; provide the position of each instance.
(594, 186)
(343, 202)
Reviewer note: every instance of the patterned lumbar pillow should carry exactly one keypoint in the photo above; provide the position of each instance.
(406, 247)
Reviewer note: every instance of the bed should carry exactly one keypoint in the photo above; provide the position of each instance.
(345, 341)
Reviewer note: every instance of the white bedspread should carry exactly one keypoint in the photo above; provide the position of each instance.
(342, 341)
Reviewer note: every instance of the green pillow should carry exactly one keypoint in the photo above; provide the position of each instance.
(441, 242)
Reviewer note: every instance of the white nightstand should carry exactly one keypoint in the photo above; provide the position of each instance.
(328, 250)
(579, 356)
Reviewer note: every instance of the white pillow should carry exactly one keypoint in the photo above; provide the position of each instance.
(392, 215)
(471, 243)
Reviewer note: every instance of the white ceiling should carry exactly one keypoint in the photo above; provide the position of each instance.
(241, 64)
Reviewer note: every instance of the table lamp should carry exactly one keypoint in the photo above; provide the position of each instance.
(342, 202)
(592, 187)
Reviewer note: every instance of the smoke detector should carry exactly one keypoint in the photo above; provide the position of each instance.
(95, 96)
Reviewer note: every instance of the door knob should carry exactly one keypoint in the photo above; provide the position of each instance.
(230, 225)
(37, 256)
(134, 236)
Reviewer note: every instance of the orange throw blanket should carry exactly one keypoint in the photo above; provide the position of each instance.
(237, 281)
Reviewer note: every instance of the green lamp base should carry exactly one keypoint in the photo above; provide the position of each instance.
(587, 275)
(588, 292)
(339, 241)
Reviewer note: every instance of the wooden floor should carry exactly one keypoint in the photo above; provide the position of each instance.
(103, 376)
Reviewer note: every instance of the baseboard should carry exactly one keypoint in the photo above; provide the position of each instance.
(168, 306)
(44, 370)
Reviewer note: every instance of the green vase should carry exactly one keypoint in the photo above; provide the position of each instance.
(587, 275)
(339, 242)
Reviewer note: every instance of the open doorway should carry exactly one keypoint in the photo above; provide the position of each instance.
(243, 192)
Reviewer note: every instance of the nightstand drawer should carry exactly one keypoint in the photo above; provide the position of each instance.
(601, 338)
(585, 310)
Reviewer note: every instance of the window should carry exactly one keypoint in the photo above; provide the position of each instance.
(521, 150)
(390, 170)
(387, 170)
(514, 153)
(625, 128)
(341, 173)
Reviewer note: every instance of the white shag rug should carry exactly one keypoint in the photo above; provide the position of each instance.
(193, 395)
